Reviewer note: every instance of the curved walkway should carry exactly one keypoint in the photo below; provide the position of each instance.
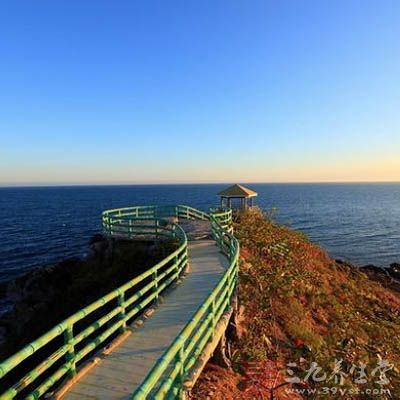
(159, 358)
(118, 374)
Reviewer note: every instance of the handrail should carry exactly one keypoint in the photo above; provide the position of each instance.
(166, 378)
(223, 216)
(72, 341)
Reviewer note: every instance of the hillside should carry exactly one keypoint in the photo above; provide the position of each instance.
(326, 325)
(44, 296)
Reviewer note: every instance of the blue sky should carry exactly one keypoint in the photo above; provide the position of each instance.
(199, 91)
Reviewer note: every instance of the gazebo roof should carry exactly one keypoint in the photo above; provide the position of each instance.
(237, 191)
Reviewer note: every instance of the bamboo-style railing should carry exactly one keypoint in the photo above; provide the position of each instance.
(58, 354)
(165, 380)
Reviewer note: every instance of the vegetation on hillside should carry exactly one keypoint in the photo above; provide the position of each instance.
(45, 296)
(326, 326)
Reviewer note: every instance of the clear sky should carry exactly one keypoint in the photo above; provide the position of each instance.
(199, 91)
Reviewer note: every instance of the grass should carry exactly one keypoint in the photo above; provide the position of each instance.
(300, 306)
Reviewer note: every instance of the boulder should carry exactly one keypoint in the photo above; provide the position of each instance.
(394, 270)
(374, 269)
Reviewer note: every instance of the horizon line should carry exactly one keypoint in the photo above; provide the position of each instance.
(86, 184)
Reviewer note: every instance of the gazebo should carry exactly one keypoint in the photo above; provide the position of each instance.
(237, 192)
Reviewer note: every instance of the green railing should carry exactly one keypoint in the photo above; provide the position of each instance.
(57, 354)
(134, 222)
(223, 216)
(166, 379)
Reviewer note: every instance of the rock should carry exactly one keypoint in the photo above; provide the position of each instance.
(374, 269)
(394, 270)
(46, 295)
(99, 247)
(345, 265)
(3, 333)
(220, 356)
(395, 265)
(236, 328)
(98, 237)
(387, 277)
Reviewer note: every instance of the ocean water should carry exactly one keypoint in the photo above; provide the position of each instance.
(42, 225)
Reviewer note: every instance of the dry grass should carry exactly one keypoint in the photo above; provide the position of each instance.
(300, 306)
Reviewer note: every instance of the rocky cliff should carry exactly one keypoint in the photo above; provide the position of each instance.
(45, 296)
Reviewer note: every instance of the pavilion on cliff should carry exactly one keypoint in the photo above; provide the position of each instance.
(244, 194)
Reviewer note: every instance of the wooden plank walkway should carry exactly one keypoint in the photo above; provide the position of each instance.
(118, 374)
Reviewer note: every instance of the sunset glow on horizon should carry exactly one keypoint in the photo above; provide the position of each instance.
(199, 93)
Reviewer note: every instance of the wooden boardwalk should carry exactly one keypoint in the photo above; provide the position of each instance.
(118, 374)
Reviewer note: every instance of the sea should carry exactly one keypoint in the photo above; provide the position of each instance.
(39, 226)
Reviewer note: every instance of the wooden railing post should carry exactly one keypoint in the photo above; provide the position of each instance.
(176, 265)
(154, 277)
(186, 259)
(122, 315)
(213, 318)
(181, 360)
(70, 355)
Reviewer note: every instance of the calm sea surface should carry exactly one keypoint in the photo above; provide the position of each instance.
(357, 222)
